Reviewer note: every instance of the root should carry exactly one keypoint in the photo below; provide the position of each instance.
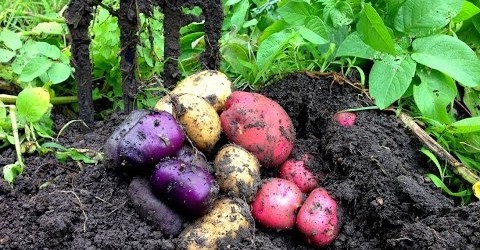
(117, 208)
(80, 205)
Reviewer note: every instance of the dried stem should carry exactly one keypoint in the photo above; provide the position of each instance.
(438, 150)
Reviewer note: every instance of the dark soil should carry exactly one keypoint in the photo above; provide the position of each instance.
(373, 169)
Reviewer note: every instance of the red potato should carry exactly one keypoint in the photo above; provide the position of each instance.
(317, 218)
(298, 172)
(345, 119)
(276, 204)
(260, 125)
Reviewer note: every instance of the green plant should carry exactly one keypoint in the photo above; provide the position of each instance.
(24, 15)
(10, 171)
(31, 58)
(28, 114)
(33, 62)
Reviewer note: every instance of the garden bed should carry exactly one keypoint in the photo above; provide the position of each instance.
(373, 169)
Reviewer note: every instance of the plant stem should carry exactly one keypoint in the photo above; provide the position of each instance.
(8, 99)
(458, 167)
(58, 100)
(13, 118)
(44, 18)
(11, 99)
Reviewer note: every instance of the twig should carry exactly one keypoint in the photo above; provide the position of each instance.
(438, 150)
(117, 208)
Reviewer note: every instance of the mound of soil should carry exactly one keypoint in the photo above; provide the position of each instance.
(373, 169)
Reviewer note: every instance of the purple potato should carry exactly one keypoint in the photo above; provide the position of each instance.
(144, 139)
(190, 189)
(193, 156)
(111, 146)
(153, 209)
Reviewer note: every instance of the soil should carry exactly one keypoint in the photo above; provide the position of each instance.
(373, 169)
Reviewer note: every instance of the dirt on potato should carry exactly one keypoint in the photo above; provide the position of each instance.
(373, 169)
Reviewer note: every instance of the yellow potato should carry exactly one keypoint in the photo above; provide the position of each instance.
(212, 85)
(228, 219)
(237, 172)
(200, 120)
(165, 104)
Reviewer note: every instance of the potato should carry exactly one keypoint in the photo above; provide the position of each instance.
(186, 188)
(345, 119)
(200, 120)
(212, 85)
(237, 171)
(143, 139)
(260, 125)
(298, 172)
(193, 156)
(317, 219)
(165, 104)
(152, 209)
(276, 204)
(229, 219)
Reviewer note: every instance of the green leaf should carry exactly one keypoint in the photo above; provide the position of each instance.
(471, 98)
(311, 36)
(43, 130)
(472, 163)
(439, 183)
(354, 46)
(54, 145)
(450, 56)
(295, 13)
(33, 103)
(6, 55)
(275, 27)
(434, 159)
(59, 72)
(471, 143)
(468, 11)
(48, 50)
(271, 47)
(234, 53)
(390, 78)
(420, 18)
(250, 23)
(75, 155)
(34, 68)
(314, 30)
(11, 171)
(51, 28)
(393, 5)
(341, 14)
(240, 11)
(10, 39)
(231, 2)
(372, 31)
(435, 92)
(467, 125)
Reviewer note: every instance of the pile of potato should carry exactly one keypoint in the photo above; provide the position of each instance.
(220, 197)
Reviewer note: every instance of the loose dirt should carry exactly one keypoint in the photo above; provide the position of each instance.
(373, 169)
